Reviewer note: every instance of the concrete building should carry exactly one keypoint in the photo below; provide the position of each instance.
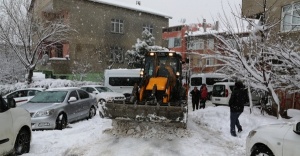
(284, 12)
(191, 40)
(105, 30)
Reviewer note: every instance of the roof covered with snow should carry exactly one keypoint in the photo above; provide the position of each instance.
(243, 27)
(132, 7)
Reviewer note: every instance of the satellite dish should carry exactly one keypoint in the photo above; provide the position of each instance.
(183, 20)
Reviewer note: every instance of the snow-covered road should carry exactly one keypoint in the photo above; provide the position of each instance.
(207, 135)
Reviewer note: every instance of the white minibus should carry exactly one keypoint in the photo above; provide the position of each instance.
(122, 80)
(196, 80)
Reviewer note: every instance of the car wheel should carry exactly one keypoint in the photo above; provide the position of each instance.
(61, 122)
(22, 144)
(92, 112)
(101, 101)
(261, 150)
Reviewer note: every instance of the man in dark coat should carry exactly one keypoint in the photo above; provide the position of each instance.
(195, 97)
(238, 99)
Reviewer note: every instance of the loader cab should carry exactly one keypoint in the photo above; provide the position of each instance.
(156, 61)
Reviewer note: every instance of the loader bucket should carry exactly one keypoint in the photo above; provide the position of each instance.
(146, 113)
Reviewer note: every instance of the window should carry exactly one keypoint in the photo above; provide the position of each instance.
(149, 27)
(116, 54)
(74, 94)
(196, 45)
(90, 89)
(55, 50)
(117, 26)
(174, 42)
(210, 43)
(196, 81)
(83, 94)
(209, 61)
(290, 17)
(123, 81)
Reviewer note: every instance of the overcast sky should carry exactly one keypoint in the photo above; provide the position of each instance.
(193, 11)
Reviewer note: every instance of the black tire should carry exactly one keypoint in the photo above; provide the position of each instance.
(92, 112)
(261, 150)
(61, 122)
(22, 144)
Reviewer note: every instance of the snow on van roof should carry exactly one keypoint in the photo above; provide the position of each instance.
(132, 7)
(208, 74)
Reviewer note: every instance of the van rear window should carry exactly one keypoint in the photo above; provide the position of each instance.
(124, 81)
(218, 91)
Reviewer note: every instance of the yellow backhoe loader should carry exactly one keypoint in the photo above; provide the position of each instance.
(159, 97)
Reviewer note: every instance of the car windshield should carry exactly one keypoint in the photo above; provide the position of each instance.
(103, 89)
(49, 97)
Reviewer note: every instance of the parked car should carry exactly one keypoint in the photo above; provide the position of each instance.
(104, 94)
(15, 128)
(221, 94)
(55, 108)
(22, 96)
(274, 140)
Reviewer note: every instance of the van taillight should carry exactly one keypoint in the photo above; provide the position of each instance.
(226, 93)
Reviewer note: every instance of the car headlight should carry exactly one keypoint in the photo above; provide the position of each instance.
(44, 113)
(110, 98)
(251, 133)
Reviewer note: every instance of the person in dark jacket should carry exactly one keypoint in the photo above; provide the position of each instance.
(195, 97)
(238, 98)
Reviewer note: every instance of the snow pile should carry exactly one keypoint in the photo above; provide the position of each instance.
(169, 131)
(44, 83)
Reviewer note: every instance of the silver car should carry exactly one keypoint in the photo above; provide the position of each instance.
(55, 108)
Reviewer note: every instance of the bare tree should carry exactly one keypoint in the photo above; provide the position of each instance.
(263, 59)
(26, 35)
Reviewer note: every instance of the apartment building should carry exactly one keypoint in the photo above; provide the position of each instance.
(284, 12)
(105, 30)
(192, 40)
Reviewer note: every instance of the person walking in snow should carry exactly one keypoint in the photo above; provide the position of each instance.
(203, 95)
(238, 99)
(195, 97)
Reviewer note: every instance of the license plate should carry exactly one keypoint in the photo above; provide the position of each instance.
(217, 99)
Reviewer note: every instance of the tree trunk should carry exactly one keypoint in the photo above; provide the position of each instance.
(29, 76)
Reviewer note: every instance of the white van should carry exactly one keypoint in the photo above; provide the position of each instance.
(196, 80)
(122, 80)
(221, 94)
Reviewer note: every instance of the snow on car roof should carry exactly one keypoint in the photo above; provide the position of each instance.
(62, 88)
(93, 86)
(132, 7)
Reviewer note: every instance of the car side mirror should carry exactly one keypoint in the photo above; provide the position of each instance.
(11, 103)
(72, 99)
(297, 127)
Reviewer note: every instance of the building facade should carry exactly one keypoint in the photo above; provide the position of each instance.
(193, 40)
(284, 12)
(105, 30)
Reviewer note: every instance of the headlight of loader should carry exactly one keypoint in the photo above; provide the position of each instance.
(44, 113)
